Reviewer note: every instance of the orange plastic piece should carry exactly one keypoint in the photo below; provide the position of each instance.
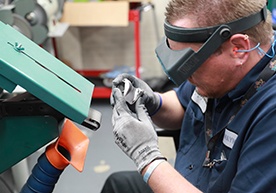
(74, 141)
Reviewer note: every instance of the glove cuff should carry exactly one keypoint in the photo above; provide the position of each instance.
(148, 159)
(158, 100)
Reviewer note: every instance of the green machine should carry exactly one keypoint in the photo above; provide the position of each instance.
(271, 5)
(54, 91)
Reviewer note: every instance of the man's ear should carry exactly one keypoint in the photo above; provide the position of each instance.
(240, 44)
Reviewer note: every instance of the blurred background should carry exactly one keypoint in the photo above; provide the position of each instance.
(98, 39)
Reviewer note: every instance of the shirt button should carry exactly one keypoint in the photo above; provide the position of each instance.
(191, 167)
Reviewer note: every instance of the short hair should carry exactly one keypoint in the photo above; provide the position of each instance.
(215, 12)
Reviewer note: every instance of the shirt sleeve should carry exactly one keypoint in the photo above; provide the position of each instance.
(184, 93)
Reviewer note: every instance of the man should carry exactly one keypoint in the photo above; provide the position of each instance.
(221, 53)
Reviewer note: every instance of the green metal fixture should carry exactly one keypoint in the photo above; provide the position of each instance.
(54, 91)
(271, 5)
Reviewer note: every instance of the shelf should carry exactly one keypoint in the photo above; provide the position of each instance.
(102, 91)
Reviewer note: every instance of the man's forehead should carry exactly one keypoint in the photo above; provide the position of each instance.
(184, 30)
(186, 22)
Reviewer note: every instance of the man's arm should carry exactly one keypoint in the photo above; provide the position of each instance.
(165, 178)
(136, 136)
(171, 113)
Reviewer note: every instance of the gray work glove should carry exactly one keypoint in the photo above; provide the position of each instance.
(135, 135)
(152, 100)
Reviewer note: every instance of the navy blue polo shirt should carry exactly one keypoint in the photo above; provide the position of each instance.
(245, 150)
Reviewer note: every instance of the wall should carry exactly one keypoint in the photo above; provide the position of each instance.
(106, 47)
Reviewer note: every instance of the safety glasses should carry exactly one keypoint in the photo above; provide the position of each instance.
(181, 64)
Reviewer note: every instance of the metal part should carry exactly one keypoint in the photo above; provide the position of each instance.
(40, 34)
(131, 93)
(20, 136)
(51, 8)
(23, 7)
(38, 16)
(30, 120)
(25, 104)
(93, 121)
(60, 9)
(21, 25)
(6, 14)
(43, 75)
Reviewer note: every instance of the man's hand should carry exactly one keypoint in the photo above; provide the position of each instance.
(135, 135)
(152, 100)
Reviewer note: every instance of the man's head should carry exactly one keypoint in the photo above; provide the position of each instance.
(223, 67)
(215, 12)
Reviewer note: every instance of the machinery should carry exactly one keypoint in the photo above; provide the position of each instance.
(55, 97)
(33, 18)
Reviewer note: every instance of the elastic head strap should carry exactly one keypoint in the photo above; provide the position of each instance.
(181, 34)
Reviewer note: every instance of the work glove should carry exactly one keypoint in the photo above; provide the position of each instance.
(134, 134)
(152, 100)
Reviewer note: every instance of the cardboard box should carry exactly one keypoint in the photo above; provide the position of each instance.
(108, 13)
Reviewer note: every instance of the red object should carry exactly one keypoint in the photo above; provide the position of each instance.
(74, 141)
(134, 16)
(99, 91)
(104, 92)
